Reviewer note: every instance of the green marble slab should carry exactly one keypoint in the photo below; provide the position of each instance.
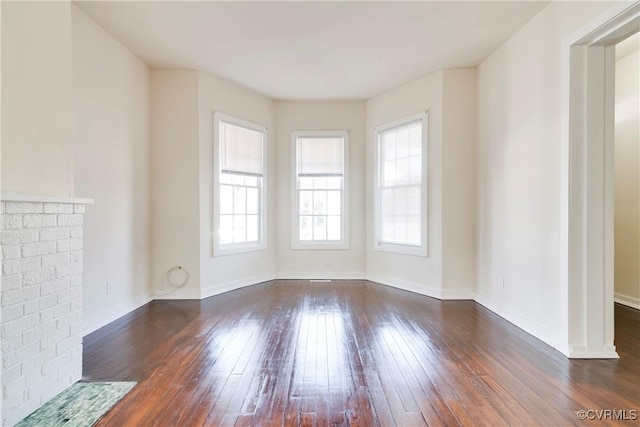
(81, 405)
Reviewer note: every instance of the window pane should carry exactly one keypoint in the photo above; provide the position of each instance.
(239, 228)
(319, 228)
(415, 170)
(333, 202)
(388, 151)
(253, 228)
(403, 144)
(319, 202)
(226, 229)
(305, 182)
(388, 202)
(251, 181)
(413, 230)
(253, 200)
(334, 183)
(320, 182)
(415, 141)
(414, 204)
(387, 229)
(333, 228)
(400, 229)
(226, 199)
(226, 178)
(239, 200)
(402, 171)
(401, 201)
(237, 179)
(389, 173)
(306, 202)
(306, 228)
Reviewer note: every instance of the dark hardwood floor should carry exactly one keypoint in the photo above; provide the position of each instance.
(350, 353)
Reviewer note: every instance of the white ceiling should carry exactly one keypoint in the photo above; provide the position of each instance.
(313, 50)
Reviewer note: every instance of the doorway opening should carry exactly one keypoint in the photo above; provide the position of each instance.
(589, 182)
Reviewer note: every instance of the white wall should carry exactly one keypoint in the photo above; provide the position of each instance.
(307, 263)
(459, 183)
(421, 274)
(175, 192)
(37, 98)
(519, 153)
(223, 273)
(111, 143)
(627, 182)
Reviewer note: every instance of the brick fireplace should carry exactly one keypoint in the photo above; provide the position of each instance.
(41, 288)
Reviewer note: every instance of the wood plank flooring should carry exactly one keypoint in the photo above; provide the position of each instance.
(349, 353)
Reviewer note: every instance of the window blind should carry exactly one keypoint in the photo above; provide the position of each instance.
(320, 156)
(241, 150)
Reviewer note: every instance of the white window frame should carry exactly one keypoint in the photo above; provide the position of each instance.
(236, 248)
(417, 250)
(296, 243)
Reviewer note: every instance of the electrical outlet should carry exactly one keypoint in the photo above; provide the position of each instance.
(109, 286)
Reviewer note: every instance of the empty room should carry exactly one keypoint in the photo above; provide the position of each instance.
(314, 213)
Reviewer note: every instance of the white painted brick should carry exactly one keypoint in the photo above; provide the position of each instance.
(20, 265)
(64, 245)
(10, 222)
(51, 340)
(48, 327)
(75, 256)
(76, 280)
(11, 282)
(11, 297)
(39, 248)
(51, 208)
(75, 329)
(65, 208)
(11, 251)
(78, 208)
(13, 388)
(63, 283)
(47, 301)
(76, 244)
(11, 374)
(70, 219)
(63, 323)
(31, 292)
(15, 237)
(12, 312)
(10, 344)
(32, 335)
(63, 270)
(23, 207)
(76, 231)
(55, 259)
(76, 304)
(57, 233)
(31, 306)
(18, 326)
(38, 221)
(61, 309)
(49, 287)
(76, 292)
(64, 296)
(40, 276)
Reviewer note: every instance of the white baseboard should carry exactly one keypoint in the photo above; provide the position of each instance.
(96, 322)
(522, 322)
(580, 352)
(458, 294)
(627, 300)
(284, 275)
(405, 285)
(210, 291)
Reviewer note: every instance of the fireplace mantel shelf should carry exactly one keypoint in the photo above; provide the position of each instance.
(37, 198)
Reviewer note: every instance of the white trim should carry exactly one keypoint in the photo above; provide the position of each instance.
(296, 243)
(231, 249)
(627, 300)
(284, 275)
(545, 335)
(37, 198)
(587, 180)
(581, 354)
(96, 322)
(458, 294)
(214, 290)
(405, 285)
(423, 249)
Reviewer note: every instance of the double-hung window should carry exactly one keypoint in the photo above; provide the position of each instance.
(401, 186)
(239, 185)
(319, 217)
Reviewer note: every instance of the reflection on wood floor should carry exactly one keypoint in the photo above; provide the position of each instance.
(348, 353)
